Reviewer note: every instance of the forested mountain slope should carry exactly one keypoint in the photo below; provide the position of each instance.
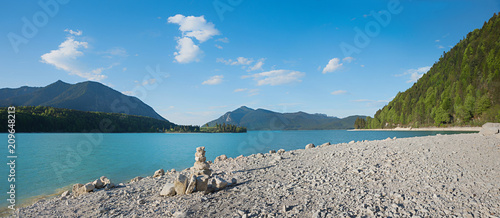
(462, 88)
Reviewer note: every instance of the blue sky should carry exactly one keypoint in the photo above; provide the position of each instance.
(194, 60)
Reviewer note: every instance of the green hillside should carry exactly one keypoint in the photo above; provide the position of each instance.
(462, 88)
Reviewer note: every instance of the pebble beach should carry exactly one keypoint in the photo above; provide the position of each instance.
(432, 176)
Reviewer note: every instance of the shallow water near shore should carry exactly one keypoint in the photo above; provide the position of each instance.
(48, 162)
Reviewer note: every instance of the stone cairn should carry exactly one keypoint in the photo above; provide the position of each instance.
(201, 167)
(198, 180)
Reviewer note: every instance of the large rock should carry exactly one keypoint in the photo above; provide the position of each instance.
(219, 182)
(87, 187)
(136, 179)
(220, 158)
(202, 183)
(159, 173)
(98, 184)
(325, 144)
(191, 185)
(65, 194)
(490, 129)
(309, 146)
(76, 189)
(105, 180)
(168, 190)
(109, 186)
(180, 184)
(281, 151)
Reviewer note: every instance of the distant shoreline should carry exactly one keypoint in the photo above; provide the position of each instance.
(451, 129)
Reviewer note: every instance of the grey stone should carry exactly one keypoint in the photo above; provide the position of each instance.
(87, 188)
(98, 184)
(180, 184)
(168, 190)
(105, 180)
(65, 194)
(220, 158)
(159, 173)
(191, 185)
(202, 183)
(490, 129)
(219, 182)
(325, 144)
(136, 179)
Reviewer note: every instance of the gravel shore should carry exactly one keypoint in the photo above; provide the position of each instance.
(433, 176)
(441, 129)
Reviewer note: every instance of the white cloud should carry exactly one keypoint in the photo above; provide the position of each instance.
(415, 74)
(224, 40)
(239, 61)
(373, 103)
(437, 40)
(222, 60)
(187, 51)
(250, 92)
(76, 33)
(240, 90)
(333, 65)
(218, 46)
(195, 27)
(348, 59)
(214, 80)
(440, 46)
(149, 82)
(65, 58)
(276, 77)
(362, 65)
(242, 61)
(117, 52)
(253, 92)
(257, 66)
(339, 92)
(191, 27)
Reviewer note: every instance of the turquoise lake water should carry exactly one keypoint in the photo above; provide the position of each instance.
(49, 161)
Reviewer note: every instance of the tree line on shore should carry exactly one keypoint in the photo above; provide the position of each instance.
(50, 119)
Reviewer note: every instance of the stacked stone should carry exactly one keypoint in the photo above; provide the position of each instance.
(201, 172)
(201, 167)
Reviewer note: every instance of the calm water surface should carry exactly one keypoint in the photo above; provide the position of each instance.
(50, 162)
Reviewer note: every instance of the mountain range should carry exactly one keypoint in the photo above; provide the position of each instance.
(84, 96)
(96, 97)
(261, 119)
